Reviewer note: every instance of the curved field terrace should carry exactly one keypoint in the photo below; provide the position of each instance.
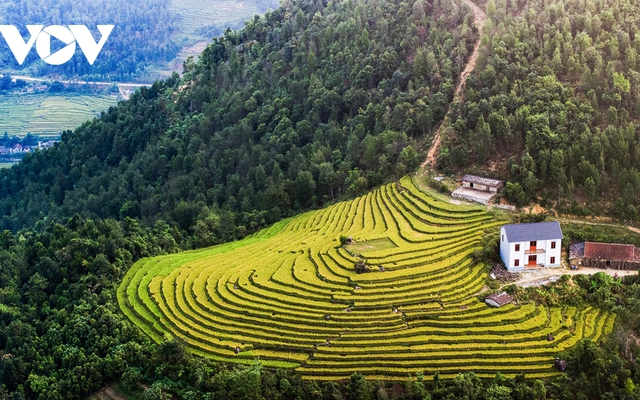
(289, 296)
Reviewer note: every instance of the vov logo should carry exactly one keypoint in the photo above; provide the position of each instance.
(41, 36)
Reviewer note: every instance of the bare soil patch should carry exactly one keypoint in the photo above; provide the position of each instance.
(107, 393)
(480, 19)
(370, 245)
(542, 276)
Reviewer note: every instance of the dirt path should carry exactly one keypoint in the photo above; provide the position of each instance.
(542, 276)
(480, 19)
(107, 393)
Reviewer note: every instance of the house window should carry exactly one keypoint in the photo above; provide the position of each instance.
(553, 245)
(517, 247)
(516, 263)
(533, 243)
(471, 184)
(553, 260)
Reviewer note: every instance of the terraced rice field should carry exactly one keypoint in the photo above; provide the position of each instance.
(290, 297)
(197, 14)
(48, 114)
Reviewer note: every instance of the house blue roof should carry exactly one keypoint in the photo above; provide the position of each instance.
(533, 231)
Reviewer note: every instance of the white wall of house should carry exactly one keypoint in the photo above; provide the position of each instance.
(545, 254)
(491, 303)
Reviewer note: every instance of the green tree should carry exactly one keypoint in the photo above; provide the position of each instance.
(621, 84)
(359, 388)
(590, 189)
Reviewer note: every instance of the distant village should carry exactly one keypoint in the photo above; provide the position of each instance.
(14, 148)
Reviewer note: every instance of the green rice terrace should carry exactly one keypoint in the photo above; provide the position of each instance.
(290, 297)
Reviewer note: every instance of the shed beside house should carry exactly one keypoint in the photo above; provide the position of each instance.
(605, 255)
(498, 299)
(483, 184)
(537, 244)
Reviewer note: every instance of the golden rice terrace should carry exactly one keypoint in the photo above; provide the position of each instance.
(290, 296)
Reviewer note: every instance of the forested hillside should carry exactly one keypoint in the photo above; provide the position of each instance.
(306, 105)
(143, 35)
(554, 102)
(298, 108)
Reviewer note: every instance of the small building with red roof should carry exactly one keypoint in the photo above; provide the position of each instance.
(605, 255)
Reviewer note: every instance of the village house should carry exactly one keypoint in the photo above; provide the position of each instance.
(537, 244)
(605, 255)
(45, 145)
(480, 183)
(498, 299)
(478, 189)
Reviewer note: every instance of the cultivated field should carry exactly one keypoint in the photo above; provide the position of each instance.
(196, 14)
(48, 114)
(290, 297)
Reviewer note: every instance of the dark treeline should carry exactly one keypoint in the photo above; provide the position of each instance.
(300, 107)
(142, 35)
(554, 99)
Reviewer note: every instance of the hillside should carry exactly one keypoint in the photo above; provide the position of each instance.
(279, 117)
(290, 296)
(187, 243)
(150, 38)
(144, 34)
(552, 105)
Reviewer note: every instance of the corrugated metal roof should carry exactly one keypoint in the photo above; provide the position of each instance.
(500, 298)
(481, 181)
(576, 250)
(533, 231)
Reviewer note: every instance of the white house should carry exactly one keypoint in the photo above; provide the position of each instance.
(531, 245)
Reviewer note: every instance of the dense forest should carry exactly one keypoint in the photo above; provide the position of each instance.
(282, 116)
(553, 102)
(142, 35)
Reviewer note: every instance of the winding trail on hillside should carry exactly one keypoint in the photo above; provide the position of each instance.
(480, 19)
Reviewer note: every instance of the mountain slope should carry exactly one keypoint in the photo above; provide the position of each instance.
(291, 296)
(301, 106)
(553, 104)
(143, 35)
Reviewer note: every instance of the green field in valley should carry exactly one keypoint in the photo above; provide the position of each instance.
(290, 297)
(47, 114)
